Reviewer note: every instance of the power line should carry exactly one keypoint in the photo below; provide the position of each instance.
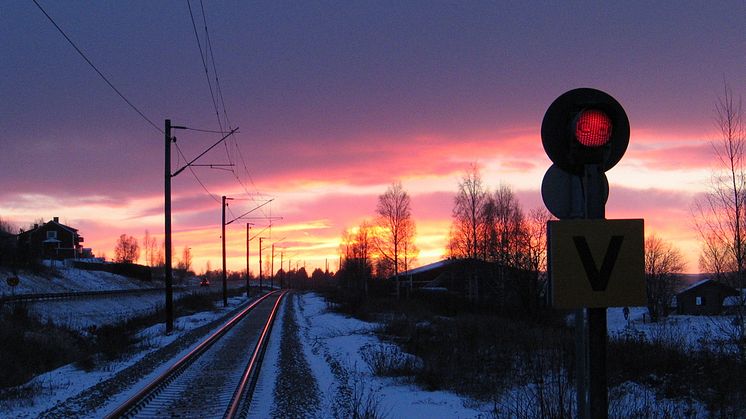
(214, 67)
(211, 60)
(96, 69)
(203, 56)
(214, 197)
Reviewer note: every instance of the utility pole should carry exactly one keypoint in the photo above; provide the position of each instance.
(282, 282)
(260, 264)
(168, 272)
(248, 239)
(272, 269)
(225, 275)
(167, 242)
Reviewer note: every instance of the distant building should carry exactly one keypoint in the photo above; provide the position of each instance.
(51, 240)
(704, 298)
(474, 280)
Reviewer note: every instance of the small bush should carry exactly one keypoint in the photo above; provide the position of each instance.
(389, 361)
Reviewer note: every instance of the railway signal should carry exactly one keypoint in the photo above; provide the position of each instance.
(593, 263)
(585, 126)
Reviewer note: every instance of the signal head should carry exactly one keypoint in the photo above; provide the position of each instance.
(585, 126)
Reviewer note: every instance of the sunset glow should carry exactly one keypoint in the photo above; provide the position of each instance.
(332, 109)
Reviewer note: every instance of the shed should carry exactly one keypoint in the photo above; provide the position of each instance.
(704, 298)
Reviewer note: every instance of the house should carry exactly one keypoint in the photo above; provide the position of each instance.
(51, 240)
(473, 280)
(703, 298)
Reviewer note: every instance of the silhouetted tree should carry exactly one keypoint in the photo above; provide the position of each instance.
(720, 217)
(663, 266)
(150, 248)
(396, 229)
(357, 258)
(468, 217)
(185, 263)
(126, 249)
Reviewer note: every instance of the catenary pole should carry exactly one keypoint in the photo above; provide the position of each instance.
(167, 227)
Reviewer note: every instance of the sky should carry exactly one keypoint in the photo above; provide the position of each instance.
(335, 101)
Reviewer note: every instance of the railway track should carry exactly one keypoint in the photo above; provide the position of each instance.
(217, 378)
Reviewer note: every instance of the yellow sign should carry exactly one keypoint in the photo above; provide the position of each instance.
(597, 263)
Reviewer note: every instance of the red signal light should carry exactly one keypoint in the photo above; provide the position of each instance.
(593, 128)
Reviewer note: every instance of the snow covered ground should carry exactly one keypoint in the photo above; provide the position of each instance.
(690, 331)
(333, 345)
(62, 383)
(69, 280)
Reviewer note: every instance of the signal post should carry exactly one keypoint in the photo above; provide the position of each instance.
(593, 263)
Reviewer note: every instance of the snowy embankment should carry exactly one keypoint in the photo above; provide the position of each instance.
(90, 311)
(64, 279)
(64, 384)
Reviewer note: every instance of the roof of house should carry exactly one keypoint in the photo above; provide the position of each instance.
(428, 267)
(708, 281)
(68, 228)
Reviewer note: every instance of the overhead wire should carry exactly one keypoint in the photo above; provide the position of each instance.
(121, 95)
(128, 102)
(214, 197)
(205, 60)
(203, 57)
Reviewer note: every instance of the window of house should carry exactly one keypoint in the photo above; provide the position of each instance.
(699, 301)
(51, 234)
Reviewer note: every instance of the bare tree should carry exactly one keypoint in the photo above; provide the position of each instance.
(509, 245)
(720, 217)
(185, 263)
(150, 247)
(6, 227)
(357, 258)
(126, 249)
(663, 266)
(536, 251)
(395, 225)
(468, 216)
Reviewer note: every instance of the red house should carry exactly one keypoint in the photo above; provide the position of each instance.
(51, 240)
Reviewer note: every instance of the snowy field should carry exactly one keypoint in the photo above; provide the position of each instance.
(69, 280)
(62, 383)
(95, 311)
(333, 341)
(690, 331)
(333, 345)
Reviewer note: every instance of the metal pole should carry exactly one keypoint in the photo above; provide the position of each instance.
(598, 397)
(260, 264)
(167, 227)
(225, 277)
(248, 229)
(272, 269)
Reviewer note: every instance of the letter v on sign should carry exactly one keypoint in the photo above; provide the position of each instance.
(598, 279)
(596, 263)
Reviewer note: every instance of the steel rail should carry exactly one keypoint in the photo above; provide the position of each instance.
(147, 392)
(250, 375)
